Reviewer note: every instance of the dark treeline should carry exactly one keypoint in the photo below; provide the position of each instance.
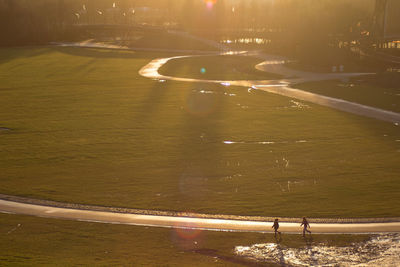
(296, 21)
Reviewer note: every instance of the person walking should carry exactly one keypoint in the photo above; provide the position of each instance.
(276, 227)
(305, 225)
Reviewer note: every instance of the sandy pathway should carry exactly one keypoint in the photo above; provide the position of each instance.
(282, 87)
(273, 64)
(188, 222)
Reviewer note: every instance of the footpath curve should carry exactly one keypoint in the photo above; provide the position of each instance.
(271, 63)
(57, 210)
(281, 87)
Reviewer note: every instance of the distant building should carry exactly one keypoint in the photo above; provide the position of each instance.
(119, 16)
(387, 20)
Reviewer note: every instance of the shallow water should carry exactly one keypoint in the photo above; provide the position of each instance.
(381, 250)
(247, 40)
(230, 142)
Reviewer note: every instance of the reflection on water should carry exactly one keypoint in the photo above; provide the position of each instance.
(228, 94)
(346, 84)
(382, 250)
(257, 40)
(241, 106)
(202, 91)
(297, 104)
(206, 92)
(231, 177)
(229, 142)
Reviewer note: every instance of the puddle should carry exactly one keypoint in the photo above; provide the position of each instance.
(251, 143)
(243, 107)
(253, 40)
(228, 94)
(346, 85)
(4, 129)
(231, 177)
(382, 250)
(286, 187)
(205, 92)
(202, 91)
(229, 142)
(297, 104)
(160, 80)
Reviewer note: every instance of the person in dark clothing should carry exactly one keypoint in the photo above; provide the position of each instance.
(276, 227)
(305, 225)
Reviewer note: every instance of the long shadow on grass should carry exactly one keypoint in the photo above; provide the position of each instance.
(179, 123)
(10, 53)
(106, 53)
(200, 143)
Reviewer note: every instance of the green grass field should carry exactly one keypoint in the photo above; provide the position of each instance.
(84, 127)
(30, 241)
(381, 90)
(163, 40)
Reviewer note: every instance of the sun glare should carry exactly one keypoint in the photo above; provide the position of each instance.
(210, 3)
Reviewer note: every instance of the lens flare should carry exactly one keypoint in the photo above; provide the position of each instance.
(186, 236)
(210, 3)
(188, 231)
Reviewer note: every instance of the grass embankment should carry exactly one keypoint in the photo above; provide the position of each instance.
(84, 127)
(30, 241)
(148, 37)
(322, 59)
(381, 90)
(154, 39)
(164, 40)
(217, 68)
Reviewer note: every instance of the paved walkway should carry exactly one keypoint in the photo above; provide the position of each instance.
(282, 87)
(190, 222)
(273, 64)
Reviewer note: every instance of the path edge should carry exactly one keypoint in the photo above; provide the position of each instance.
(122, 210)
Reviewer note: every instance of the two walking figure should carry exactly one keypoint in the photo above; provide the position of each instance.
(276, 227)
(304, 223)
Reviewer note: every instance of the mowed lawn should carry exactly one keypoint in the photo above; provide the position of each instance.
(381, 90)
(31, 241)
(80, 125)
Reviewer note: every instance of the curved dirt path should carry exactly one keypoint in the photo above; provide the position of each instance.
(282, 87)
(192, 221)
(272, 63)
